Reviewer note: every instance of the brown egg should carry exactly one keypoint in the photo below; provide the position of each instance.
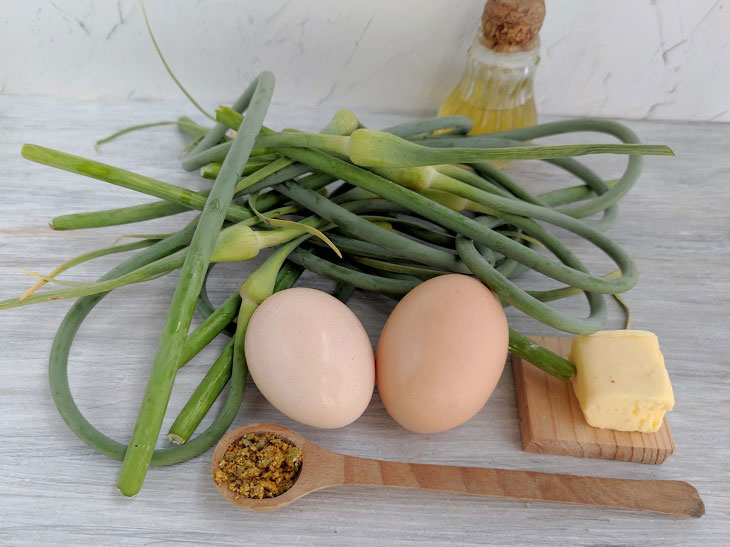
(441, 353)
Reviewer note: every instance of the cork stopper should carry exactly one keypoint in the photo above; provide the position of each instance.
(512, 25)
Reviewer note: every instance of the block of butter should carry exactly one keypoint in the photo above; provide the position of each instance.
(621, 381)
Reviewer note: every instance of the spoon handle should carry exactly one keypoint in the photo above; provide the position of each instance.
(660, 496)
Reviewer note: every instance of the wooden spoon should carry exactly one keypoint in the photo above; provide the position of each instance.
(323, 468)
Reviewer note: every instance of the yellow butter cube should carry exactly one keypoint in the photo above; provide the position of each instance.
(621, 382)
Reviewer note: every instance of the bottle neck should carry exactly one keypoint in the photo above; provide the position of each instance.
(498, 80)
(519, 58)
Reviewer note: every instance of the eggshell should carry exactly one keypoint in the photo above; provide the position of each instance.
(441, 353)
(311, 357)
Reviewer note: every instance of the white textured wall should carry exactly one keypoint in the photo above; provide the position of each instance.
(625, 58)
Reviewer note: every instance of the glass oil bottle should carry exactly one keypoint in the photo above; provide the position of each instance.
(496, 89)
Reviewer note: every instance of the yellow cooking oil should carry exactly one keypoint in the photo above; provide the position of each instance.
(496, 89)
(489, 118)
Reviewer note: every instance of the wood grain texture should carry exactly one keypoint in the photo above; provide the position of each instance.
(551, 421)
(674, 223)
(323, 468)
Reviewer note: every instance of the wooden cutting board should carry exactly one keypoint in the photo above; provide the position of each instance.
(551, 421)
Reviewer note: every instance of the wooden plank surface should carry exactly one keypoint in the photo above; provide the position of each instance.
(55, 490)
(551, 421)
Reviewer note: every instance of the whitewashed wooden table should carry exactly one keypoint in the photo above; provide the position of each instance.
(56, 490)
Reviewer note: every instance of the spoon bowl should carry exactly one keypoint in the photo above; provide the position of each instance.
(319, 467)
(322, 468)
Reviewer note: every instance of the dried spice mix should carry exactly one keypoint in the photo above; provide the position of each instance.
(259, 466)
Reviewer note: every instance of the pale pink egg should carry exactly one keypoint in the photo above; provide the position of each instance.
(311, 357)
